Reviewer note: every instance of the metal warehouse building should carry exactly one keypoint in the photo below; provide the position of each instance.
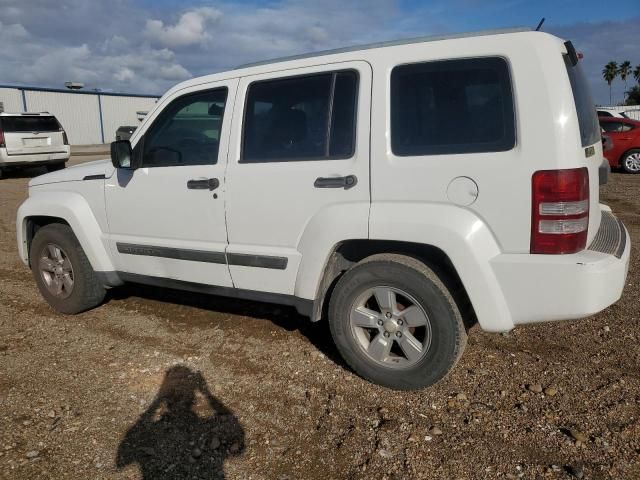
(89, 117)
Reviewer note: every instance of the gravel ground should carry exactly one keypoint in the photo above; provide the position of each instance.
(161, 384)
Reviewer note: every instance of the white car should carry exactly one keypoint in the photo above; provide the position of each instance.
(398, 190)
(603, 112)
(32, 139)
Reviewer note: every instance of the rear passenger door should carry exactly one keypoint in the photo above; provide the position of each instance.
(298, 173)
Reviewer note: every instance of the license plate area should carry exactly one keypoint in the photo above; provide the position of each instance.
(36, 141)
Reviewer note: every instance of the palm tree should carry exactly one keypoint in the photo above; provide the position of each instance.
(609, 73)
(624, 70)
(636, 73)
(633, 96)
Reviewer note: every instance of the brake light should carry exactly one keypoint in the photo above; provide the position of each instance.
(560, 211)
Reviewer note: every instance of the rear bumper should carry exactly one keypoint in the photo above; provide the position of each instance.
(33, 159)
(539, 288)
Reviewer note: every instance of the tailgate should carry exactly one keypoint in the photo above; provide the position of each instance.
(26, 135)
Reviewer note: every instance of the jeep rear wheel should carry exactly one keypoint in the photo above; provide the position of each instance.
(62, 271)
(395, 323)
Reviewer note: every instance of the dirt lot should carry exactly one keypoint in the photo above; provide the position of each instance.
(109, 393)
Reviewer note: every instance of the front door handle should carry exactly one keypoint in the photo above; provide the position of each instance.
(203, 184)
(336, 182)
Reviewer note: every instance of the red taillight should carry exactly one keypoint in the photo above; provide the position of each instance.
(560, 211)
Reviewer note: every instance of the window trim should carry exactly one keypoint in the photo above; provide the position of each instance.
(334, 75)
(513, 141)
(140, 144)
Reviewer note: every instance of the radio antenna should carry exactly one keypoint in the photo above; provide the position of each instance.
(540, 25)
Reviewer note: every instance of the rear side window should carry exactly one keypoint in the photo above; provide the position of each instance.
(30, 124)
(301, 118)
(587, 117)
(452, 106)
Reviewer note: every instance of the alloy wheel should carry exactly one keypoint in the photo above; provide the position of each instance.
(391, 327)
(632, 162)
(56, 271)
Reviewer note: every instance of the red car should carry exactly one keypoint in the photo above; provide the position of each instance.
(625, 135)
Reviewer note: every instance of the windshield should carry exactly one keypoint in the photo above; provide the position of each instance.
(29, 124)
(585, 108)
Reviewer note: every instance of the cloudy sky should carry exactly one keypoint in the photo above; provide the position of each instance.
(145, 46)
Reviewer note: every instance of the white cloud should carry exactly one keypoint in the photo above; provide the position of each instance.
(124, 75)
(125, 46)
(173, 72)
(190, 29)
(13, 31)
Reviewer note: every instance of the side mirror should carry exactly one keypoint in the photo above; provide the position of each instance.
(122, 155)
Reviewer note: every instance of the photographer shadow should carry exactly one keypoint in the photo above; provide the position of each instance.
(185, 433)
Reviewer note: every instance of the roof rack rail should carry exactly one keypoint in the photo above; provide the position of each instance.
(391, 43)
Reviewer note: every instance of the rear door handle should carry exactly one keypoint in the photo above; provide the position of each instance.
(336, 182)
(203, 184)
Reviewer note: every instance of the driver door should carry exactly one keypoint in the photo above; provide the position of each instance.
(167, 218)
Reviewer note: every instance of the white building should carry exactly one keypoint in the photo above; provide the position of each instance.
(89, 117)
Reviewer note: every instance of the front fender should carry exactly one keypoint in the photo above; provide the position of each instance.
(74, 209)
(464, 237)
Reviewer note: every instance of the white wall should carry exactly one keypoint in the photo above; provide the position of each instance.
(632, 111)
(79, 113)
(117, 111)
(12, 100)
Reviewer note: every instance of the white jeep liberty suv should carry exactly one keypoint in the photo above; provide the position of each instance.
(393, 189)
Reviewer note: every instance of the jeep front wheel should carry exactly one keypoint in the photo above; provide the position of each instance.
(62, 271)
(395, 323)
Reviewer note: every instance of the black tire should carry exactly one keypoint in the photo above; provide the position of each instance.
(630, 166)
(54, 167)
(407, 274)
(87, 291)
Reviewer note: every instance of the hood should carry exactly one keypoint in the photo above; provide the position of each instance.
(75, 173)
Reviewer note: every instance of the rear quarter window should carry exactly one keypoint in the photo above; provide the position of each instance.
(452, 106)
(30, 124)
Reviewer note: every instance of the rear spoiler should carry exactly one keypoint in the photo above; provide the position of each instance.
(571, 51)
